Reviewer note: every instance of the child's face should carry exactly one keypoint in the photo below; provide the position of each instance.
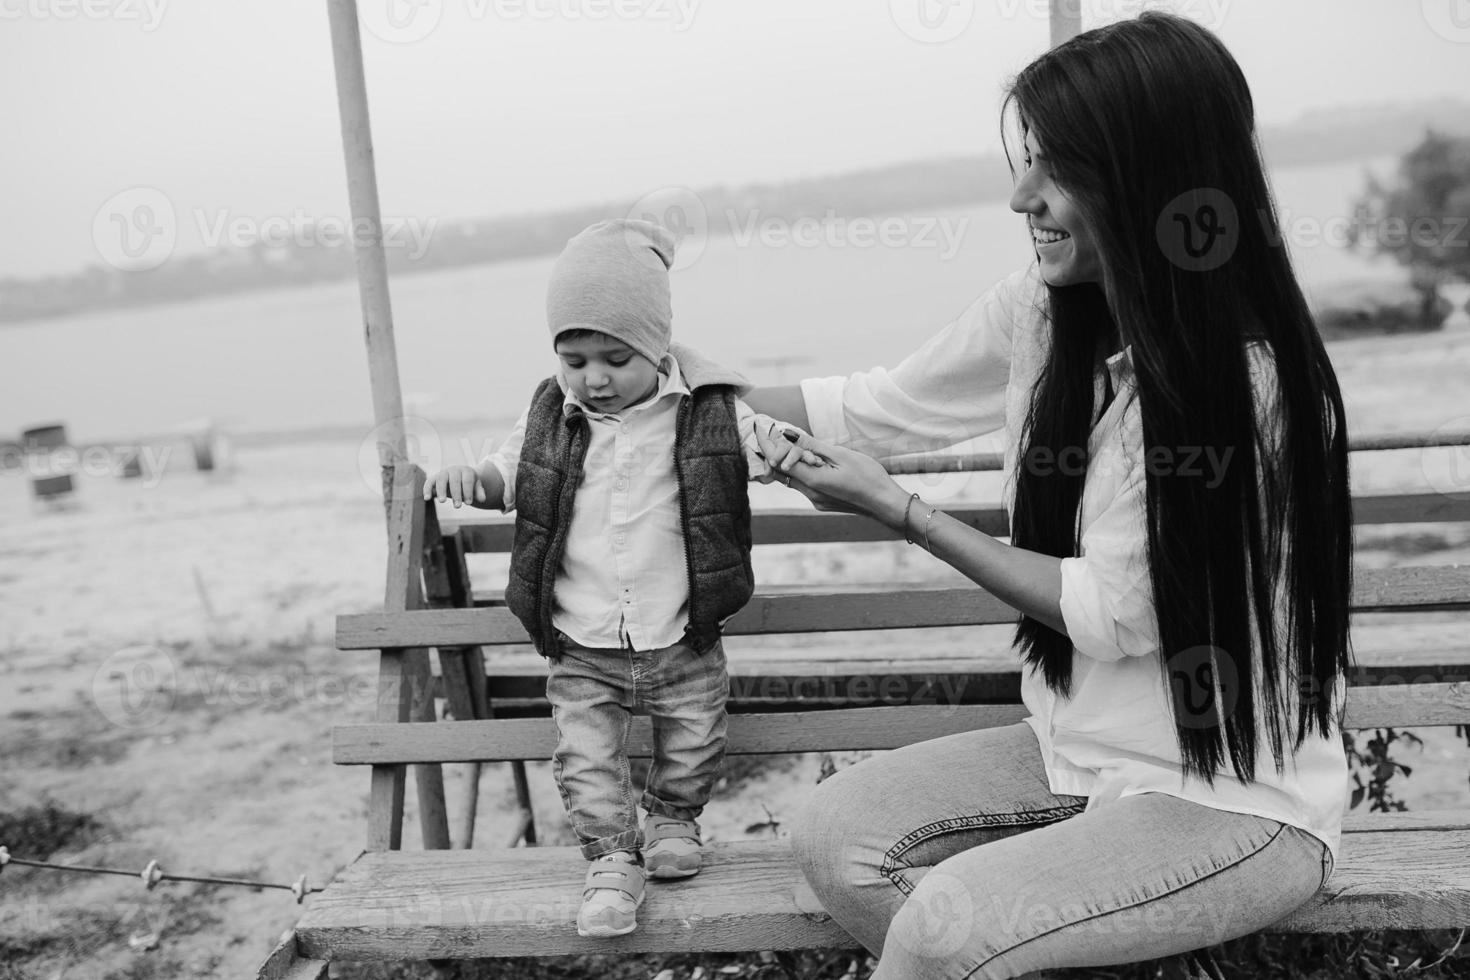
(606, 373)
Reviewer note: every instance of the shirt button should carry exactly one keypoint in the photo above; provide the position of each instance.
(624, 427)
(622, 484)
(619, 539)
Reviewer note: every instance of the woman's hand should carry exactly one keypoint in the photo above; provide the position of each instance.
(458, 483)
(842, 480)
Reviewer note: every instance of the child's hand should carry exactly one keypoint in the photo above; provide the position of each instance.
(458, 483)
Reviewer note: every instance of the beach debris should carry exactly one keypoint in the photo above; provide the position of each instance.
(143, 941)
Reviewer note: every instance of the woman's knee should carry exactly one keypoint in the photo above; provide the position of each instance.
(825, 830)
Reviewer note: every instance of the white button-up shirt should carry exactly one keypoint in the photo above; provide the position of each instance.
(624, 578)
(1114, 736)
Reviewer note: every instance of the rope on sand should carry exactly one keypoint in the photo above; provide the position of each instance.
(153, 874)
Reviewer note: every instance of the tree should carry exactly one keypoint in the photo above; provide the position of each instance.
(1423, 220)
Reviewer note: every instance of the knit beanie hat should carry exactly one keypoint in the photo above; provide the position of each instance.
(614, 278)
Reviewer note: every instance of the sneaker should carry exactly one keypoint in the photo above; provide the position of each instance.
(611, 894)
(671, 847)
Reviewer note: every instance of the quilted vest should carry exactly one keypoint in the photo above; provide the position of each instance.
(714, 509)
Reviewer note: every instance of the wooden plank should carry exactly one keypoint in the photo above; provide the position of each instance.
(770, 613)
(523, 902)
(1417, 588)
(493, 533)
(1406, 821)
(403, 675)
(284, 963)
(1408, 705)
(816, 731)
(753, 734)
(1417, 880)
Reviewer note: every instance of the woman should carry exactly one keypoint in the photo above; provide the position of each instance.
(1177, 440)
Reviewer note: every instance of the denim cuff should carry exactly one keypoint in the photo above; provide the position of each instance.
(628, 840)
(656, 806)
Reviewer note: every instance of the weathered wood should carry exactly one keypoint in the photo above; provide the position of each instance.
(404, 690)
(816, 731)
(1406, 821)
(483, 532)
(1417, 588)
(754, 734)
(284, 963)
(523, 902)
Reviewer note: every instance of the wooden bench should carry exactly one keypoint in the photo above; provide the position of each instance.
(1397, 870)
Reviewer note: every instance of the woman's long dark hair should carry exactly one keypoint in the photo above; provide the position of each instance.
(1148, 127)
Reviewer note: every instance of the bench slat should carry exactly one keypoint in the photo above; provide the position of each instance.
(523, 902)
(812, 731)
(493, 533)
(1418, 588)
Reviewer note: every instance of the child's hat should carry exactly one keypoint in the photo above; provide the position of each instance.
(614, 278)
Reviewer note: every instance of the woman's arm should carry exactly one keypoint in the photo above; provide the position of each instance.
(851, 482)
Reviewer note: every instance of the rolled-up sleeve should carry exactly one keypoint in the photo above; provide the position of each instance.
(1107, 597)
(951, 389)
(507, 459)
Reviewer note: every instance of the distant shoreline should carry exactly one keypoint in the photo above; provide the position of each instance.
(1340, 136)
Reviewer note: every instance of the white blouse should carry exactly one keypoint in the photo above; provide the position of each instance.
(1114, 736)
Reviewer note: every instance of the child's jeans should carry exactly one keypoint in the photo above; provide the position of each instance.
(594, 694)
(952, 860)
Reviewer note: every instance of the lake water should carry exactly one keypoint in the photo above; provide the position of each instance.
(472, 341)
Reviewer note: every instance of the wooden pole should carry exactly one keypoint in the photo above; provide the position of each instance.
(1066, 20)
(406, 672)
(367, 224)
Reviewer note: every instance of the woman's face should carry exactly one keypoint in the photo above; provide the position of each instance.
(1064, 245)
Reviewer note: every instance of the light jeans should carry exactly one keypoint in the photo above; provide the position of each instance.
(953, 859)
(594, 694)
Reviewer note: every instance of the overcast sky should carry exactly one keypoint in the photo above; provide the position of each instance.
(483, 107)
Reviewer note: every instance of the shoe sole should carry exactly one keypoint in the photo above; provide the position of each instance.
(667, 871)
